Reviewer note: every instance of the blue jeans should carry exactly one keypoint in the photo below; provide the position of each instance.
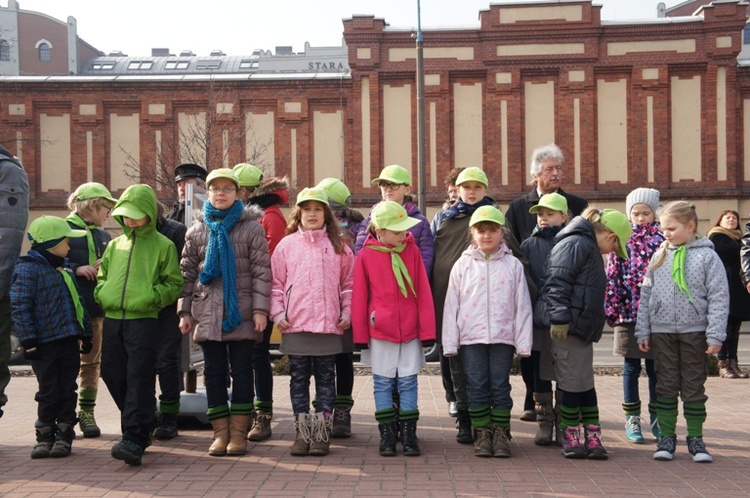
(487, 369)
(235, 356)
(408, 390)
(630, 374)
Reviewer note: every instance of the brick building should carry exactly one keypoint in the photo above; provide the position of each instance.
(662, 102)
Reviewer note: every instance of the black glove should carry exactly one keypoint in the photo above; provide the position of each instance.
(87, 344)
(428, 344)
(361, 347)
(30, 352)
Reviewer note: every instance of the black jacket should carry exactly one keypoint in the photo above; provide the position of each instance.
(79, 256)
(575, 283)
(728, 250)
(522, 222)
(537, 249)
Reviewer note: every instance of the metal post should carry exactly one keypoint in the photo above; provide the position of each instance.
(421, 174)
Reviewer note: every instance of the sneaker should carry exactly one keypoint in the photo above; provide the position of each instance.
(633, 429)
(571, 446)
(697, 448)
(87, 423)
(655, 429)
(41, 449)
(593, 443)
(453, 409)
(127, 451)
(665, 448)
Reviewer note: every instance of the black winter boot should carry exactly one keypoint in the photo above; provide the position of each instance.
(63, 441)
(388, 439)
(463, 424)
(409, 438)
(45, 438)
(167, 428)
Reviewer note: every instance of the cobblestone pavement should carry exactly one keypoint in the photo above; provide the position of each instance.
(182, 467)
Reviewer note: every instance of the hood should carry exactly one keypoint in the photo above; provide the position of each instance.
(474, 252)
(272, 191)
(697, 243)
(5, 152)
(547, 232)
(373, 241)
(249, 212)
(411, 209)
(579, 226)
(144, 198)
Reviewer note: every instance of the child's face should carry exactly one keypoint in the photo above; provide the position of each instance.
(607, 241)
(100, 214)
(642, 214)
(312, 215)
(546, 217)
(131, 223)
(394, 191)
(452, 193)
(487, 237)
(471, 192)
(677, 233)
(222, 193)
(390, 238)
(61, 250)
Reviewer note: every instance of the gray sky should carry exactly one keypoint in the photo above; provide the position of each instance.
(239, 26)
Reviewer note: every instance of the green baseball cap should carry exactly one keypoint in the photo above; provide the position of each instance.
(312, 194)
(46, 228)
(391, 216)
(554, 201)
(249, 175)
(336, 190)
(487, 213)
(472, 174)
(93, 190)
(394, 174)
(619, 224)
(128, 210)
(222, 173)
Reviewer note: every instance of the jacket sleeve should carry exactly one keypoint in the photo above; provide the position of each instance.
(511, 218)
(260, 268)
(524, 319)
(170, 282)
(278, 283)
(512, 242)
(565, 262)
(361, 235)
(450, 339)
(101, 276)
(426, 245)
(615, 289)
(717, 293)
(360, 300)
(643, 322)
(275, 227)
(745, 255)
(23, 302)
(189, 264)
(425, 305)
(347, 283)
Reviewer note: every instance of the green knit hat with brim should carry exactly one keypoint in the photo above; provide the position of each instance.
(312, 194)
(394, 174)
(487, 213)
(620, 225)
(336, 191)
(554, 201)
(472, 174)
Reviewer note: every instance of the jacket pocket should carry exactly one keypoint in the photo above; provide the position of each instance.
(198, 306)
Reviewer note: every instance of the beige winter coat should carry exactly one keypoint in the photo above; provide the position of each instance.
(206, 303)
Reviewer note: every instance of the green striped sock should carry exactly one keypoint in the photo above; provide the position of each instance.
(242, 408)
(632, 408)
(407, 415)
(217, 412)
(344, 400)
(266, 406)
(569, 416)
(695, 416)
(480, 416)
(87, 399)
(171, 406)
(666, 410)
(500, 418)
(589, 415)
(386, 416)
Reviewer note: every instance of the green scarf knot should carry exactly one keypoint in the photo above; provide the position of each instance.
(678, 271)
(398, 266)
(74, 296)
(76, 219)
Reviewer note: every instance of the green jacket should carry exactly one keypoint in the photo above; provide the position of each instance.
(140, 270)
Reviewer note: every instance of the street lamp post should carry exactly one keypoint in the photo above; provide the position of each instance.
(421, 175)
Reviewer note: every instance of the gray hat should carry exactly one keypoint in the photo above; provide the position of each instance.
(648, 196)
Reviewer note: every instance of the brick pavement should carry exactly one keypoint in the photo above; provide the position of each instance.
(181, 467)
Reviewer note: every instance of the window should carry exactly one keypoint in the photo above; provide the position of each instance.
(142, 65)
(4, 50)
(209, 65)
(102, 65)
(44, 52)
(176, 65)
(746, 35)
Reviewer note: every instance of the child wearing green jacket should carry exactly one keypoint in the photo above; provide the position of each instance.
(139, 275)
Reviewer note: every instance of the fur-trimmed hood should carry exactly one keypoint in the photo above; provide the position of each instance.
(271, 191)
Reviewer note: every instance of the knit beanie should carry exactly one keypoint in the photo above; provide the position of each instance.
(647, 196)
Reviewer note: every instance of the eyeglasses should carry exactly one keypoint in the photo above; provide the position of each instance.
(108, 208)
(225, 190)
(389, 186)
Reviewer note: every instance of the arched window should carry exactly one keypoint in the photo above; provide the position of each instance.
(4, 50)
(44, 52)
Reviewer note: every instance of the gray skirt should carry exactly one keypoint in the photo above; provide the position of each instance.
(573, 359)
(625, 344)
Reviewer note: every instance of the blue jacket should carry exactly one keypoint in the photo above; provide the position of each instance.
(42, 309)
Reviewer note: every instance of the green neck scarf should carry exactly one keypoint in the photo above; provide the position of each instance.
(74, 295)
(75, 219)
(399, 268)
(678, 271)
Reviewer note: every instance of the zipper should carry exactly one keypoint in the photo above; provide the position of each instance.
(127, 275)
(489, 319)
(288, 303)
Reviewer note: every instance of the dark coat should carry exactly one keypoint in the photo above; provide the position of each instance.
(79, 256)
(537, 249)
(522, 222)
(728, 250)
(573, 291)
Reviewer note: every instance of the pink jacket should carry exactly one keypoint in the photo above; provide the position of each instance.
(379, 309)
(312, 285)
(487, 303)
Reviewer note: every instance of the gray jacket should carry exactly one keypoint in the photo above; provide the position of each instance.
(14, 213)
(665, 309)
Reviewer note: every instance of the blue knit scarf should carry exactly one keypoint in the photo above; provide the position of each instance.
(466, 209)
(220, 258)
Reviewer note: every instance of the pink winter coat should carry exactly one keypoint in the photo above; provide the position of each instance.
(312, 285)
(379, 309)
(487, 303)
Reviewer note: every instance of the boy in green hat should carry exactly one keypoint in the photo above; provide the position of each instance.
(50, 319)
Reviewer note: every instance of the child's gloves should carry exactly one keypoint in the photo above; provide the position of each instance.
(361, 347)
(87, 345)
(428, 344)
(559, 332)
(30, 352)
